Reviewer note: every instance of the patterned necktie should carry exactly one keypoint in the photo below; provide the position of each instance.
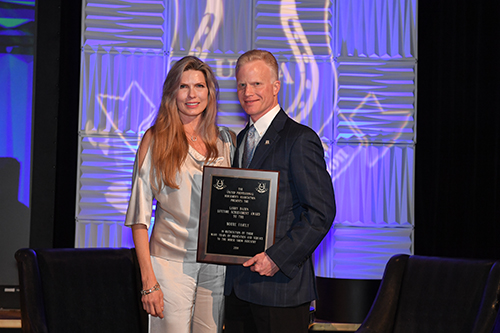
(250, 144)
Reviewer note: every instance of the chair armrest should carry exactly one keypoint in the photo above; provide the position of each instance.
(380, 318)
(488, 310)
(365, 330)
(33, 317)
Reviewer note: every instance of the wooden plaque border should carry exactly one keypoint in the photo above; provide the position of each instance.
(209, 172)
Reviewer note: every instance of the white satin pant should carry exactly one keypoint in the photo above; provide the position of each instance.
(193, 295)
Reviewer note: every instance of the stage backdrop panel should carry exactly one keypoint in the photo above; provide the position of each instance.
(376, 101)
(376, 29)
(347, 69)
(120, 92)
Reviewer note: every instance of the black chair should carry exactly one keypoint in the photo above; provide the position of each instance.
(80, 290)
(432, 295)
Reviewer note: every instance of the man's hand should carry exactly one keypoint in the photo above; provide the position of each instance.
(262, 264)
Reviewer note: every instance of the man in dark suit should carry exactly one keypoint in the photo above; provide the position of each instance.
(272, 291)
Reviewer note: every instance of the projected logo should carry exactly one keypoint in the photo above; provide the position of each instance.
(119, 116)
(307, 80)
(379, 120)
(207, 29)
(107, 154)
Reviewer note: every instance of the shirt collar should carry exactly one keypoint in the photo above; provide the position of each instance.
(263, 123)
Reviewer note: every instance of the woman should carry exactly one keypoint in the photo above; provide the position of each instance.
(180, 294)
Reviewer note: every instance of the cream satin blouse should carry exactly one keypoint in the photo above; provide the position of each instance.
(175, 231)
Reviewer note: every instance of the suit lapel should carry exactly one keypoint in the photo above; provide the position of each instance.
(268, 140)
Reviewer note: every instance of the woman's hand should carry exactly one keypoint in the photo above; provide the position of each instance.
(153, 303)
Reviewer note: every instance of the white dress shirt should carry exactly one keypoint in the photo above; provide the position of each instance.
(261, 127)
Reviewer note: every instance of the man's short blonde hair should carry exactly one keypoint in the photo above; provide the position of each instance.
(263, 55)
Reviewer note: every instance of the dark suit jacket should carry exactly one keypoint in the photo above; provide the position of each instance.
(306, 208)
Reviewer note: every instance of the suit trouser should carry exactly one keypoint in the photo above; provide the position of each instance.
(192, 295)
(246, 317)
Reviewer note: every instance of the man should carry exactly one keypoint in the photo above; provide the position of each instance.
(272, 291)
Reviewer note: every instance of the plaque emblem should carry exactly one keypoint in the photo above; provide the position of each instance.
(219, 184)
(261, 188)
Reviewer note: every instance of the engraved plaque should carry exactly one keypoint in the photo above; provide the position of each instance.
(238, 214)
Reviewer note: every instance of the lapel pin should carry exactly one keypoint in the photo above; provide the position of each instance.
(267, 142)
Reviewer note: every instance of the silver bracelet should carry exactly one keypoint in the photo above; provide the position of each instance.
(149, 291)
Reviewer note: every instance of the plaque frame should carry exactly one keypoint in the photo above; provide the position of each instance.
(209, 172)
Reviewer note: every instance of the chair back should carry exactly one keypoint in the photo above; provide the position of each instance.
(80, 290)
(431, 294)
(447, 295)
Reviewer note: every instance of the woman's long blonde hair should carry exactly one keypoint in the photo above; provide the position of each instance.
(169, 147)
